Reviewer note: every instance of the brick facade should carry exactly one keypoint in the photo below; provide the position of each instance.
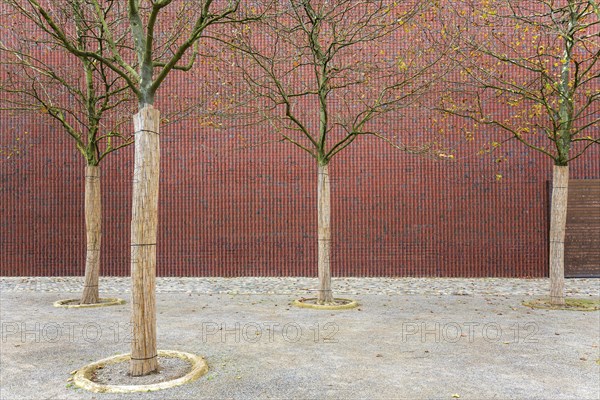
(253, 211)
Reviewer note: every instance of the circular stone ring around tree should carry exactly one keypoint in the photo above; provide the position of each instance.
(74, 303)
(570, 304)
(83, 377)
(339, 304)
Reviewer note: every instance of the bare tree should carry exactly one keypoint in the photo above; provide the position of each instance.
(530, 70)
(161, 36)
(325, 73)
(85, 98)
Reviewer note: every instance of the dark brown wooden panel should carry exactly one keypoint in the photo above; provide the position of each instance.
(582, 241)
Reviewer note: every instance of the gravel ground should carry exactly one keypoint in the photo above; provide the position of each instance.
(479, 343)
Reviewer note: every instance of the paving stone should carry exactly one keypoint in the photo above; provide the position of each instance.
(306, 286)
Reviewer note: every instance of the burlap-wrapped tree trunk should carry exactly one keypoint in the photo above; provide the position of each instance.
(93, 229)
(325, 295)
(558, 222)
(143, 241)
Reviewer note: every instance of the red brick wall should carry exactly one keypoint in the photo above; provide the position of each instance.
(252, 212)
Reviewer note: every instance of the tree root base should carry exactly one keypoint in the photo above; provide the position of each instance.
(74, 303)
(338, 304)
(83, 377)
(570, 304)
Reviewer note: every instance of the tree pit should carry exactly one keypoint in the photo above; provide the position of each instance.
(570, 304)
(76, 303)
(111, 375)
(338, 304)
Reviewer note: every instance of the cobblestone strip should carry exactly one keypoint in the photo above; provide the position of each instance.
(307, 286)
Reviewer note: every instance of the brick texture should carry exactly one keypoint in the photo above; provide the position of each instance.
(253, 211)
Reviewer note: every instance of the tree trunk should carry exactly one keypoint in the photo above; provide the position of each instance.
(143, 241)
(325, 295)
(93, 229)
(558, 222)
